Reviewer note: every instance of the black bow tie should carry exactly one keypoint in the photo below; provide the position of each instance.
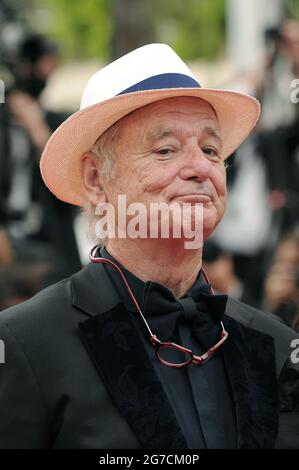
(200, 310)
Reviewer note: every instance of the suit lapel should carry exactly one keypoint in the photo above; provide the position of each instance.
(249, 356)
(122, 362)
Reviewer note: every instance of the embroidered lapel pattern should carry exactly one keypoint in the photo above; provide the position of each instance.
(122, 363)
(250, 360)
(124, 366)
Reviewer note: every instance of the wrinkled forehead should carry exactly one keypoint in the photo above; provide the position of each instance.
(185, 108)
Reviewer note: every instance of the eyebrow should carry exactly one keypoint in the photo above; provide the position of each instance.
(160, 133)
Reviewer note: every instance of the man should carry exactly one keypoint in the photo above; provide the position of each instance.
(135, 351)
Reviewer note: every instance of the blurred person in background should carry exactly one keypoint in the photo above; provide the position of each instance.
(6, 253)
(281, 288)
(296, 323)
(20, 281)
(263, 199)
(273, 80)
(287, 250)
(219, 266)
(30, 217)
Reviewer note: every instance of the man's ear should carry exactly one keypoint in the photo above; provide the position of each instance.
(91, 180)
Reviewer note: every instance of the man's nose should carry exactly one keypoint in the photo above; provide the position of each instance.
(195, 164)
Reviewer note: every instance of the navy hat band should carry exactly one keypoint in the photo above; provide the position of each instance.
(165, 80)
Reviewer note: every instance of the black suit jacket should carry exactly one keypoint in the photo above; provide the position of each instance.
(76, 374)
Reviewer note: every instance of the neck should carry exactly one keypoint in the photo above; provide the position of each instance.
(164, 261)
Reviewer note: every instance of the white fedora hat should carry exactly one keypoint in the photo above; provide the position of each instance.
(148, 74)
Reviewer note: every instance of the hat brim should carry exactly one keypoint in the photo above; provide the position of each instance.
(61, 159)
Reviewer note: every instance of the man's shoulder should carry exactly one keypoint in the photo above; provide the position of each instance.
(61, 304)
(263, 321)
(48, 303)
(267, 323)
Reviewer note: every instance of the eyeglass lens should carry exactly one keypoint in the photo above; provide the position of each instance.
(172, 355)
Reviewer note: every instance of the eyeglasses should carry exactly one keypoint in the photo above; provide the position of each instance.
(168, 353)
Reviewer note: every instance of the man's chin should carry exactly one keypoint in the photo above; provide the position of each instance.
(209, 225)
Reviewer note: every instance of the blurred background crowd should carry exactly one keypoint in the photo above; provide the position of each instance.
(49, 49)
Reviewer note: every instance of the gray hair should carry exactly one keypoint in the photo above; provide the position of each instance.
(104, 150)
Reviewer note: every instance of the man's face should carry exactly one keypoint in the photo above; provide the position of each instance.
(170, 151)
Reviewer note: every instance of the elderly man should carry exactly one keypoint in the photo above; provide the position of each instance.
(136, 350)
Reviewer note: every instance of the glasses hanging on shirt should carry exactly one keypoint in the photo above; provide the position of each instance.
(168, 353)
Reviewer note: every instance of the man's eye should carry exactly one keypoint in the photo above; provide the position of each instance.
(164, 151)
(212, 152)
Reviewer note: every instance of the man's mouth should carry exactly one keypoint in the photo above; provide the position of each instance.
(199, 198)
